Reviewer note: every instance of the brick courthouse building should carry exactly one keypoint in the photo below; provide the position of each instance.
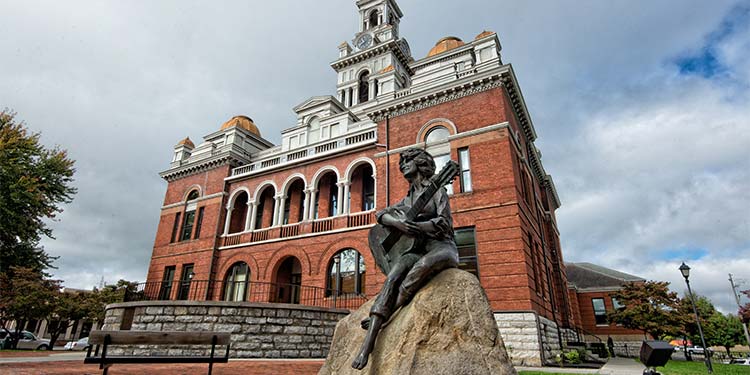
(246, 220)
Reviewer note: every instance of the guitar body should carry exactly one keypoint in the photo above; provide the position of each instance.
(388, 244)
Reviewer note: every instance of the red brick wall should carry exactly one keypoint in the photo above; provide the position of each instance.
(588, 322)
(510, 267)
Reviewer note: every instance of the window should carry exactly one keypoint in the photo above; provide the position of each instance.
(374, 18)
(236, 282)
(441, 153)
(187, 226)
(332, 199)
(287, 209)
(175, 227)
(199, 223)
(187, 277)
(364, 87)
(346, 273)
(165, 291)
(616, 304)
(438, 133)
(465, 165)
(467, 250)
(368, 190)
(600, 312)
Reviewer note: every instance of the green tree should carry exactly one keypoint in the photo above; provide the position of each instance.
(724, 330)
(112, 293)
(67, 308)
(34, 182)
(705, 309)
(25, 295)
(649, 307)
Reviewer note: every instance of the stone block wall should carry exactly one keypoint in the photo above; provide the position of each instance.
(520, 332)
(258, 330)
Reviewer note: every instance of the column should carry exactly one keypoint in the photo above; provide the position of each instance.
(249, 216)
(228, 219)
(355, 96)
(313, 194)
(306, 206)
(275, 221)
(282, 204)
(347, 201)
(253, 216)
(340, 198)
(371, 93)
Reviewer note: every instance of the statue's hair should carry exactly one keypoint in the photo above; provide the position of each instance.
(424, 161)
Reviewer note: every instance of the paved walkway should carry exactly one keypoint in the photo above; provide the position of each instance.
(622, 366)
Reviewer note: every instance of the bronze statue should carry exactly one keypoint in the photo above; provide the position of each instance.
(412, 242)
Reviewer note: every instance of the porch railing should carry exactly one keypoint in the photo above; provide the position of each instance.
(351, 220)
(244, 291)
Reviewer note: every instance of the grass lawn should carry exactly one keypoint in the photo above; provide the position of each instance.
(699, 368)
(545, 373)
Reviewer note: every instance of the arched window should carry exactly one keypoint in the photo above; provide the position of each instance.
(188, 223)
(440, 152)
(374, 19)
(314, 130)
(438, 133)
(346, 273)
(364, 86)
(235, 283)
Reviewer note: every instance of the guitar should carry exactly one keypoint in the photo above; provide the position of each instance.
(387, 243)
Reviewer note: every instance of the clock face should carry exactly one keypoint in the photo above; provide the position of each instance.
(363, 41)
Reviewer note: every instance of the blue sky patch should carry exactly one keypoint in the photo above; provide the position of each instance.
(685, 254)
(705, 62)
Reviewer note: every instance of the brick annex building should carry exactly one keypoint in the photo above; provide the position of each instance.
(243, 215)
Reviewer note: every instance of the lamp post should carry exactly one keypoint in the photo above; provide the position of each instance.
(685, 270)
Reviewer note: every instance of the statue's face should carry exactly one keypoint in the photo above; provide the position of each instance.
(408, 168)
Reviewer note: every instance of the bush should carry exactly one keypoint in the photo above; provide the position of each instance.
(573, 357)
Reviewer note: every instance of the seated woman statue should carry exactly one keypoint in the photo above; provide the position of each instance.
(433, 251)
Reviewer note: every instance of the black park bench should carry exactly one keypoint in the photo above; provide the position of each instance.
(105, 339)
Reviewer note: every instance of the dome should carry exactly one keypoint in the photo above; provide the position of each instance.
(186, 142)
(484, 34)
(242, 122)
(387, 69)
(446, 44)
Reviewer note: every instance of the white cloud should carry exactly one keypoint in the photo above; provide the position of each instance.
(644, 159)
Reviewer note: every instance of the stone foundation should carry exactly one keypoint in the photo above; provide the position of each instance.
(259, 330)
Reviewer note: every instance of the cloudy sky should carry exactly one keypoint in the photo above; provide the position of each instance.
(642, 110)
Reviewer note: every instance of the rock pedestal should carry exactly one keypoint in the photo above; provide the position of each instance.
(447, 329)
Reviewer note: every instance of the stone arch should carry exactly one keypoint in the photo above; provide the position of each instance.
(316, 177)
(345, 243)
(240, 257)
(190, 190)
(289, 180)
(262, 186)
(273, 264)
(235, 193)
(429, 125)
(356, 163)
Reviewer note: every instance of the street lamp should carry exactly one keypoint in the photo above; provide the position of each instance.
(685, 271)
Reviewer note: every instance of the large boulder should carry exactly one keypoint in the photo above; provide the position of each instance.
(447, 329)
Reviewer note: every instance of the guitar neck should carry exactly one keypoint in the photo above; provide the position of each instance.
(422, 201)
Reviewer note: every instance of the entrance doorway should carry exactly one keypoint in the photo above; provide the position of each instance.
(288, 281)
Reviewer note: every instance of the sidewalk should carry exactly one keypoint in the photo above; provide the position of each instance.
(622, 366)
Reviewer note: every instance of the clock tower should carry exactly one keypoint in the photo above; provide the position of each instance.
(377, 61)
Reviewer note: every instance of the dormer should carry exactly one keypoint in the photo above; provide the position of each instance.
(318, 119)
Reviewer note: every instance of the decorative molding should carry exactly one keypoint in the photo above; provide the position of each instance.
(428, 100)
(201, 166)
(205, 198)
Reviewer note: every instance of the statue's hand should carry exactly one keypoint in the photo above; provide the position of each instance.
(407, 226)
